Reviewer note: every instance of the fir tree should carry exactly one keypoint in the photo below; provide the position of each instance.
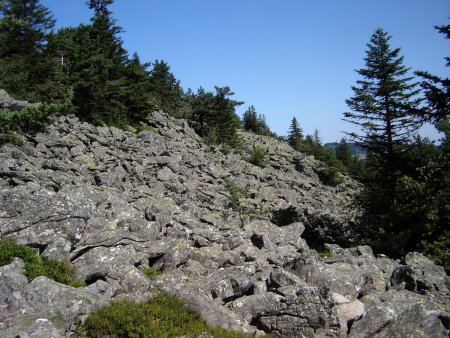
(214, 117)
(166, 90)
(344, 154)
(384, 106)
(25, 69)
(295, 135)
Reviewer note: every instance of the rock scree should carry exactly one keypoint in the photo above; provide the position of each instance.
(113, 202)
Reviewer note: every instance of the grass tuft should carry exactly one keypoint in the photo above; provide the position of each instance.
(59, 271)
(161, 317)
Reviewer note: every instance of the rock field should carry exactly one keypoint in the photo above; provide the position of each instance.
(112, 202)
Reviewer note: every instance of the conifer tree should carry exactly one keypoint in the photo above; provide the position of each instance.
(214, 116)
(24, 67)
(385, 106)
(250, 120)
(344, 154)
(166, 90)
(295, 134)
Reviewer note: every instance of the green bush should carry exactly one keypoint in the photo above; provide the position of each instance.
(150, 272)
(258, 157)
(162, 316)
(32, 119)
(236, 193)
(59, 271)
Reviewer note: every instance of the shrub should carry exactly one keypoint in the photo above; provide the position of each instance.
(59, 271)
(162, 316)
(30, 119)
(236, 193)
(258, 157)
(150, 272)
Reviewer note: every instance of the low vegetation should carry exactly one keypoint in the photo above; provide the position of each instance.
(150, 272)
(236, 194)
(35, 266)
(258, 157)
(161, 317)
(31, 119)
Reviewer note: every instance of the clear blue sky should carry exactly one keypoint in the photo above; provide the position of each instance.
(286, 57)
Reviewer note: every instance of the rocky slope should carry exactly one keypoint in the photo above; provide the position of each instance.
(112, 202)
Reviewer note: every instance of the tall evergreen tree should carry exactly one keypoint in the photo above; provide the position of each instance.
(384, 107)
(166, 90)
(433, 180)
(295, 134)
(250, 120)
(214, 116)
(24, 67)
(108, 87)
(344, 154)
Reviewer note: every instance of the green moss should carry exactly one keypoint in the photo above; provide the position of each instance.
(325, 253)
(151, 273)
(162, 316)
(59, 271)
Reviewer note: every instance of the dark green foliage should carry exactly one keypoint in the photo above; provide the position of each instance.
(344, 154)
(27, 69)
(29, 120)
(295, 135)
(108, 87)
(287, 216)
(161, 317)
(258, 157)
(35, 266)
(406, 181)
(256, 123)
(436, 90)
(236, 193)
(151, 273)
(166, 90)
(213, 116)
(382, 106)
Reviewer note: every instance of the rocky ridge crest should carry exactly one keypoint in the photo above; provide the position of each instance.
(112, 202)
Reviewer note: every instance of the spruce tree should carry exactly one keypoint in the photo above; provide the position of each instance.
(344, 154)
(24, 67)
(295, 134)
(250, 120)
(108, 87)
(166, 90)
(384, 106)
(214, 117)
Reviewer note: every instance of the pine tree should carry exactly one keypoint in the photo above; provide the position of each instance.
(166, 90)
(344, 154)
(436, 90)
(295, 135)
(214, 117)
(384, 107)
(433, 181)
(250, 120)
(108, 87)
(24, 67)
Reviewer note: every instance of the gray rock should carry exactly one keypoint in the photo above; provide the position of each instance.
(8, 102)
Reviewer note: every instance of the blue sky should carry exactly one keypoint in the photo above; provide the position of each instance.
(286, 57)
